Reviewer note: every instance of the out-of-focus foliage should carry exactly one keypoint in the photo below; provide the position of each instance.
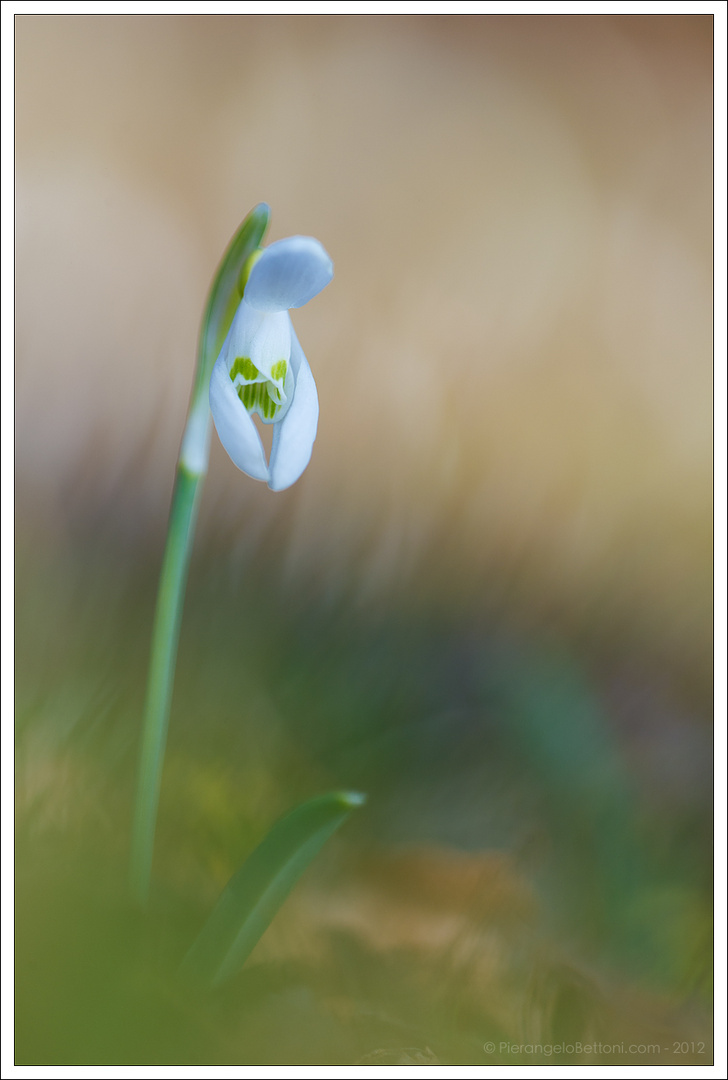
(515, 870)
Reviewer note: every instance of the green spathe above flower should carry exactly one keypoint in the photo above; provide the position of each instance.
(261, 368)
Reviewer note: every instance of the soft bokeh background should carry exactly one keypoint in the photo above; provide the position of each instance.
(487, 602)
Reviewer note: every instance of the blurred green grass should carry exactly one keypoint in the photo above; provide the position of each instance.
(467, 736)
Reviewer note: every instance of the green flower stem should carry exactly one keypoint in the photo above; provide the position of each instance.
(165, 636)
(225, 293)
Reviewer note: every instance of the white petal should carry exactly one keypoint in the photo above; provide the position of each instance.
(244, 327)
(288, 274)
(237, 432)
(294, 436)
(263, 337)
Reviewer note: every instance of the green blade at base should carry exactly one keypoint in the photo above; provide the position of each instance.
(253, 895)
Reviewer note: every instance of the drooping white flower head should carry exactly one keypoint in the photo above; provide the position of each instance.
(261, 367)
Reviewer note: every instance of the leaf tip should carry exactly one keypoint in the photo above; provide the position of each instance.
(352, 799)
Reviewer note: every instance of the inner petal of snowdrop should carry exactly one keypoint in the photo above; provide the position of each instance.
(259, 393)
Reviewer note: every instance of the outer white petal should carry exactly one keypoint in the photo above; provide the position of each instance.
(288, 274)
(294, 436)
(238, 434)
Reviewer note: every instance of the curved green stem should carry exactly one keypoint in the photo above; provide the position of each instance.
(165, 636)
(191, 470)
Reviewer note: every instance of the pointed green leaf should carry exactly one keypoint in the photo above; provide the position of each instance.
(254, 894)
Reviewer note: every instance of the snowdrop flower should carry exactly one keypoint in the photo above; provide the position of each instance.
(261, 367)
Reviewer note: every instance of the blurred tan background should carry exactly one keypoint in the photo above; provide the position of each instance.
(514, 357)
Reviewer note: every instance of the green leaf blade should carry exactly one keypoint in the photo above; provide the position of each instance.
(254, 894)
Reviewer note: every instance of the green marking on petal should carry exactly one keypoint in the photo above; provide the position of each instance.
(265, 396)
(244, 366)
(259, 396)
(279, 369)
